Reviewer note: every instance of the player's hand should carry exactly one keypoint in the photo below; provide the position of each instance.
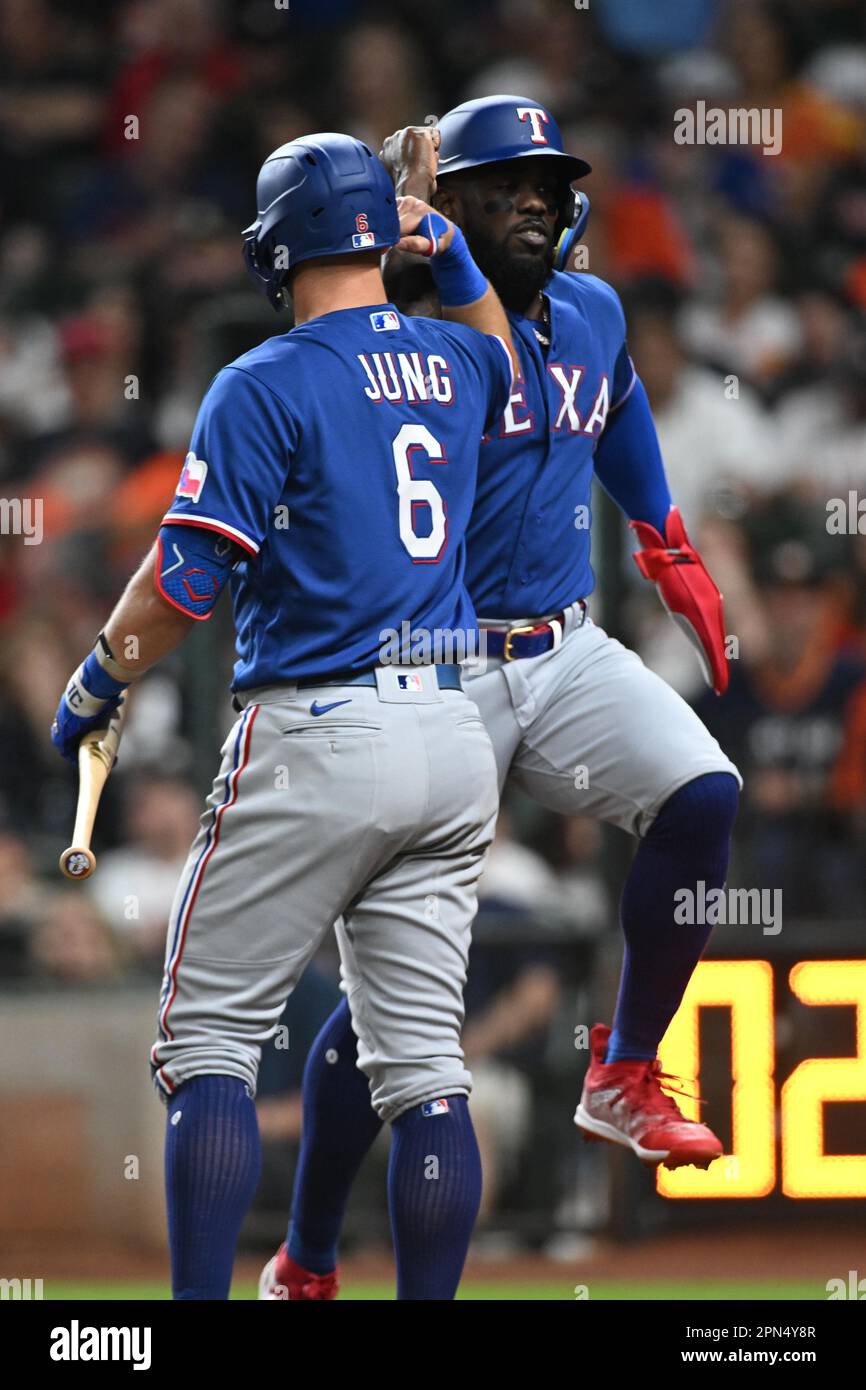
(424, 231)
(411, 157)
(69, 728)
(90, 696)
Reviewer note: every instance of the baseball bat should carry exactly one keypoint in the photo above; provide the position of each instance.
(96, 754)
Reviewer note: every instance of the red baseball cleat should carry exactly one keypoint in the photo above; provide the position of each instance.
(281, 1278)
(626, 1103)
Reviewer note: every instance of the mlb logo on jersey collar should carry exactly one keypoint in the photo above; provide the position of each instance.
(192, 478)
(385, 320)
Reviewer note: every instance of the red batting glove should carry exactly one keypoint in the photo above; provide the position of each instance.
(687, 592)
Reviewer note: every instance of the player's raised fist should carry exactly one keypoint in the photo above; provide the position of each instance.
(411, 156)
(424, 231)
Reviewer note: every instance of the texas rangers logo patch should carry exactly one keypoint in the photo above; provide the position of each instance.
(434, 1107)
(192, 478)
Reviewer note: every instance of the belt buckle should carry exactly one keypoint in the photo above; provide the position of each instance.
(509, 637)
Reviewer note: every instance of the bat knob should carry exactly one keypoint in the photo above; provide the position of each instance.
(77, 863)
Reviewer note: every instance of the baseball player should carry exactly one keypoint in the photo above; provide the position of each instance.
(330, 477)
(576, 720)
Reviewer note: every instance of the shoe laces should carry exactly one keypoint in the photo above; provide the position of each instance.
(660, 1085)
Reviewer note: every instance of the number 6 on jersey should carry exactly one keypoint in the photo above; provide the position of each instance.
(415, 492)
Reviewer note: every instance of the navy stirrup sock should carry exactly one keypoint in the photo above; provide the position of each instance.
(339, 1128)
(434, 1191)
(688, 841)
(212, 1164)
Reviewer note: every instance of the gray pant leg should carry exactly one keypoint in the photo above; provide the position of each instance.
(277, 856)
(370, 812)
(404, 944)
(590, 731)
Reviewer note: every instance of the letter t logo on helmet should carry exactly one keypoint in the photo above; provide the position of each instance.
(537, 119)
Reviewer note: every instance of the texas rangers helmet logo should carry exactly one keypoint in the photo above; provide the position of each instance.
(537, 118)
(192, 478)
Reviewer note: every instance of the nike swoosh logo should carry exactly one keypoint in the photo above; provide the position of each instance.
(316, 708)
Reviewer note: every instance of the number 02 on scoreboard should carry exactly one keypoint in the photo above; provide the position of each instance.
(746, 988)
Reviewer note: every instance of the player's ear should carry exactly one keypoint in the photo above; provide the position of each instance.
(449, 203)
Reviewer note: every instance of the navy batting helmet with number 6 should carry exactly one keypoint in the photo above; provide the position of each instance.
(492, 129)
(320, 195)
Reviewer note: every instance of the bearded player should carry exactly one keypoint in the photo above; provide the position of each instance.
(576, 720)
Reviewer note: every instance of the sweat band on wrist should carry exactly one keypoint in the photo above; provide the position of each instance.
(458, 279)
(90, 688)
(104, 657)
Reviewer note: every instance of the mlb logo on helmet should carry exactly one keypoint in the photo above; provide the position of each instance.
(192, 478)
(384, 320)
(434, 1107)
(412, 682)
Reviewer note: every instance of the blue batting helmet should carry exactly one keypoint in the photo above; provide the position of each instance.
(491, 129)
(320, 195)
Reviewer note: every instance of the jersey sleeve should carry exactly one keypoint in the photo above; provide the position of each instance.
(235, 471)
(624, 374)
(628, 461)
(624, 379)
(494, 361)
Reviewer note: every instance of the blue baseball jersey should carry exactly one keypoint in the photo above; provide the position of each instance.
(341, 458)
(528, 544)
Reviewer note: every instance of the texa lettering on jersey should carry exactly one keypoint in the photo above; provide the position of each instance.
(529, 542)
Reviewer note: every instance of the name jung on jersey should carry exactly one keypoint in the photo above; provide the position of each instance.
(407, 376)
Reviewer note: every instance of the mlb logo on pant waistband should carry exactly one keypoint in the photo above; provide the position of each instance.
(434, 1107)
(411, 682)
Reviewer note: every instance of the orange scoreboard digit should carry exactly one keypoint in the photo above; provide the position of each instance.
(745, 987)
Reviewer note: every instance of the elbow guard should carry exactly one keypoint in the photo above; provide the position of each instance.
(192, 567)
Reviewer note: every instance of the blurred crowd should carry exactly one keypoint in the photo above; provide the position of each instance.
(130, 135)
